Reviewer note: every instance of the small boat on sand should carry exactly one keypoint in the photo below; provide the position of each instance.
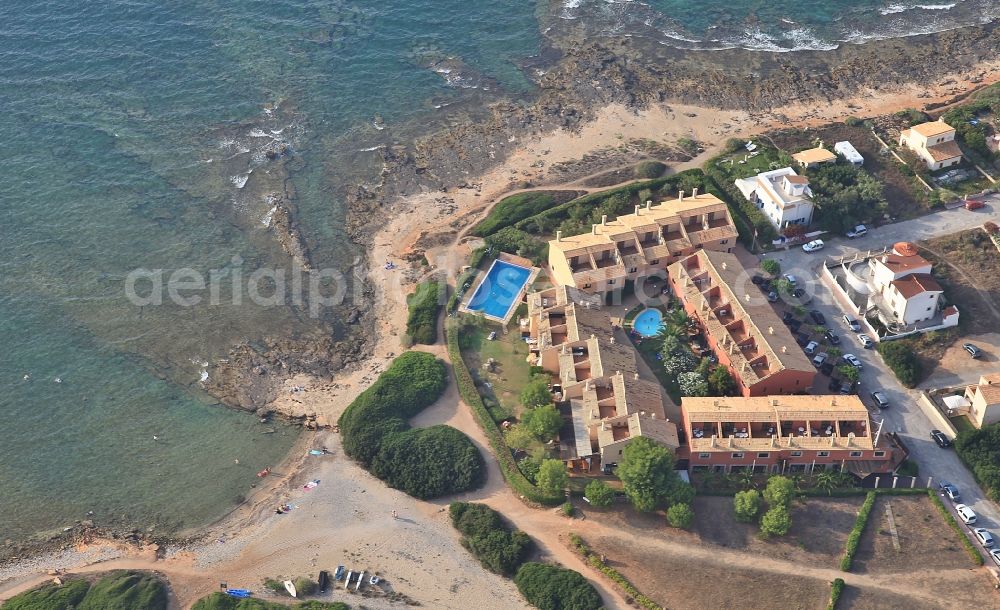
(339, 573)
(324, 581)
(290, 587)
(374, 580)
(239, 592)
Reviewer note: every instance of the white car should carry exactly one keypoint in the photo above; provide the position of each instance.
(852, 360)
(810, 347)
(852, 323)
(866, 341)
(858, 231)
(984, 536)
(995, 556)
(814, 245)
(791, 279)
(965, 513)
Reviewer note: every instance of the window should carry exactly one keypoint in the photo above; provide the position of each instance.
(611, 282)
(796, 454)
(855, 454)
(738, 456)
(633, 270)
(619, 452)
(723, 242)
(823, 454)
(704, 456)
(880, 454)
(763, 456)
(656, 261)
(586, 285)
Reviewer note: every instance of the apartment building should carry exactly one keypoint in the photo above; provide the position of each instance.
(783, 434)
(934, 143)
(641, 244)
(740, 327)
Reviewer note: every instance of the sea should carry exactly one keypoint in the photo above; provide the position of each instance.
(143, 136)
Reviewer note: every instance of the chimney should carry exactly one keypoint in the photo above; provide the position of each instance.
(694, 192)
(649, 203)
(604, 220)
(558, 235)
(724, 265)
(715, 402)
(635, 376)
(594, 230)
(637, 208)
(612, 340)
(680, 196)
(784, 349)
(774, 402)
(746, 297)
(770, 330)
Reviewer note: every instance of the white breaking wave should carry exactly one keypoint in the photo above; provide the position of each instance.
(240, 181)
(894, 9)
(266, 220)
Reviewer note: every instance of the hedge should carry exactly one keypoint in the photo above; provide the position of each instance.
(903, 361)
(980, 452)
(970, 548)
(118, 590)
(221, 601)
(485, 535)
(467, 390)
(421, 322)
(425, 462)
(836, 588)
(594, 560)
(549, 587)
(859, 528)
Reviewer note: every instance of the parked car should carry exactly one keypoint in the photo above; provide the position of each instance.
(817, 316)
(984, 536)
(814, 245)
(847, 387)
(974, 204)
(798, 293)
(819, 359)
(810, 347)
(772, 297)
(966, 514)
(802, 339)
(950, 490)
(881, 401)
(827, 368)
(791, 279)
(832, 337)
(834, 385)
(941, 440)
(787, 317)
(609, 467)
(866, 341)
(857, 231)
(852, 360)
(757, 280)
(852, 323)
(974, 351)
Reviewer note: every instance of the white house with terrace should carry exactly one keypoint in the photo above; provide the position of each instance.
(783, 196)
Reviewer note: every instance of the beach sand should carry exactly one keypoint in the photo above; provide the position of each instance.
(347, 519)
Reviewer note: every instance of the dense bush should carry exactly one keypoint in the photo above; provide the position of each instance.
(903, 361)
(648, 477)
(467, 390)
(836, 589)
(221, 601)
(516, 241)
(692, 383)
(426, 462)
(980, 450)
(549, 587)
(771, 266)
(845, 196)
(119, 590)
(552, 477)
(599, 493)
(680, 515)
(518, 207)
(747, 505)
(649, 169)
(485, 535)
(859, 528)
(536, 392)
(424, 304)
(543, 422)
(780, 491)
(775, 522)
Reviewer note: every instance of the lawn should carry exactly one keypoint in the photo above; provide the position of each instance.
(510, 371)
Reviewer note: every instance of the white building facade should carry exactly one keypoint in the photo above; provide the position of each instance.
(782, 195)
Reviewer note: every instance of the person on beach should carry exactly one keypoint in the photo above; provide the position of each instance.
(394, 515)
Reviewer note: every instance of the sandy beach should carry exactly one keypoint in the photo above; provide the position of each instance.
(347, 519)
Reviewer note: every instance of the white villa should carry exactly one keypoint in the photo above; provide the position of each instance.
(782, 195)
(934, 143)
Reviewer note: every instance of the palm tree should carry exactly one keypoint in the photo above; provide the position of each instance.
(679, 318)
(828, 480)
(745, 478)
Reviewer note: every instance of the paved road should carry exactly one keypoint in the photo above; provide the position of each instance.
(904, 416)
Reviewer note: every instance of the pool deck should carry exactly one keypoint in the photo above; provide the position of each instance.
(511, 260)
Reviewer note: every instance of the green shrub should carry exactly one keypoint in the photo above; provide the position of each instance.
(647, 473)
(649, 169)
(512, 209)
(126, 590)
(980, 451)
(599, 494)
(903, 361)
(859, 528)
(50, 596)
(771, 266)
(595, 561)
(221, 601)
(953, 524)
(680, 516)
(467, 390)
(543, 422)
(305, 585)
(516, 241)
(747, 505)
(536, 392)
(423, 304)
(552, 477)
(426, 462)
(568, 509)
(548, 587)
(780, 491)
(776, 521)
(485, 535)
(836, 589)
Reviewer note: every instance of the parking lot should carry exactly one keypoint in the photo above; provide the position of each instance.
(903, 415)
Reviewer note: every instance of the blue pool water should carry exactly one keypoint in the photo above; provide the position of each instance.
(648, 322)
(499, 290)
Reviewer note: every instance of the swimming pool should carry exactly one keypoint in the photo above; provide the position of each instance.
(499, 290)
(648, 322)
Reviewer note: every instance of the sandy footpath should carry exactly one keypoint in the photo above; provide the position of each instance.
(347, 519)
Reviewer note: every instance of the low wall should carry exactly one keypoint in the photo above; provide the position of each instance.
(937, 418)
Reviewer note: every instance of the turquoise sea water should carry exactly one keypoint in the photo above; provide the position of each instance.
(135, 135)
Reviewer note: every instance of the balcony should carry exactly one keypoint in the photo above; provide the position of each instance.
(738, 331)
(627, 248)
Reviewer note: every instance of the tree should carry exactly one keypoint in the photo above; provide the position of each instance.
(720, 382)
(747, 505)
(599, 493)
(552, 477)
(819, 329)
(900, 357)
(776, 522)
(543, 422)
(692, 384)
(680, 516)
(549, 587)
(782, 286)
(829, 480)
(770, 266)
(670, 345)
(520, 437)
(849, 372)
(647, 473)
(681, 492)
(779, 491)
(536, 392)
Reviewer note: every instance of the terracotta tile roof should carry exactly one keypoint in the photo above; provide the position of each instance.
(916, 283)
(797, 179)
(933, 128)
(814, 155)
(944, 151)
(990, 393)
(897, 263)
